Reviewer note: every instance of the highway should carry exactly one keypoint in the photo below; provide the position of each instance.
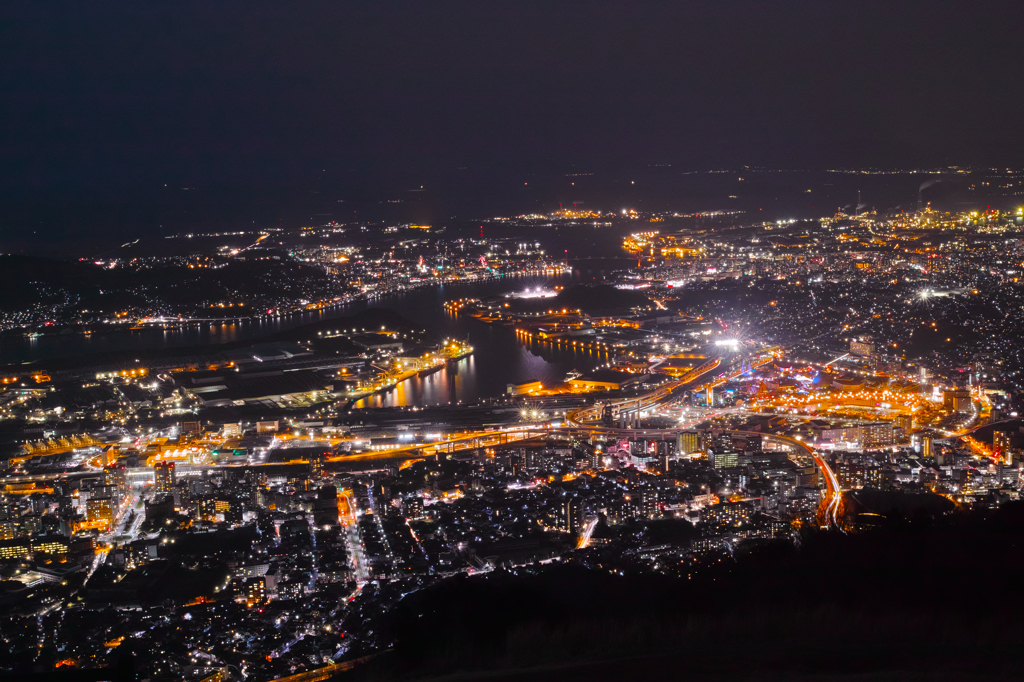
(831, 509)
(587, 532)
(638, 403)
(829, 514)
(485, 438)
(116, 529)
(353, 543)
(688, 382)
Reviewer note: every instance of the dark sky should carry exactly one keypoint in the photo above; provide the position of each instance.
(98, 92)
(108, 97)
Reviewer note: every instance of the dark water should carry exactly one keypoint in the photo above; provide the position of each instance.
(14, 349)
(97, 223)
(499, 358)
(594, 253)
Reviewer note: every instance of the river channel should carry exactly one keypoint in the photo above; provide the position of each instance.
(499, 358)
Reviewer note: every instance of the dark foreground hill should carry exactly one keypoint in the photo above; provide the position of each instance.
(914, 601)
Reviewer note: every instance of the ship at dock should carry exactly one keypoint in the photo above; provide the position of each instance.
(447, 352)
(399, 369)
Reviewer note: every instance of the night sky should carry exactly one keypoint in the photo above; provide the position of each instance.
(103, 102)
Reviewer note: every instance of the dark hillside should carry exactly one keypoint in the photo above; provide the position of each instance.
(863, 605)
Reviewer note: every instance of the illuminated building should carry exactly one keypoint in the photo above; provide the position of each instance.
(728, 513)
(8, 520)
(863, 347)
(253, 571)
(602, 380)
(164, 476)
(316, 463)
(413, 507)
(850, 475)
(868, 435)
(325, 509)
(957, 400)
(139, 553)
(876, 435)
(570, 518)
(688, 441)
(664, 461)
(213, 509)
(116, 476)
(99, 510)
(1001, 446)
(848, 384)
(724, 460)
(255, 591)
(109, 455)
(14, 549)
(622, 511)
(520, 389)
(21, 547)
(926, 446)
(807, 477)
(752, 445)
(266, 427)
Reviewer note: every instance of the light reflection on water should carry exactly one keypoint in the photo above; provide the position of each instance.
(452, 383)
(500, 358)
(499, 361)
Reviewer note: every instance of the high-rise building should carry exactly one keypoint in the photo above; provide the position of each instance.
(863, 346)
(116, 476)
(191, 429)
(1001, 446)
(109, 455)
(413, 507)
(255, 590)
(648, 502)
(164, 477)
(807, 477)
(850, 475)
(664, 462)
(876, 435)
(8, 520)
(725, 459)
(926, 446)
(689, 441)
(99, 510)
(325, 508)
(722, 442)
(571, 517)
(607, 416)
(957, 400)
(316, 463)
